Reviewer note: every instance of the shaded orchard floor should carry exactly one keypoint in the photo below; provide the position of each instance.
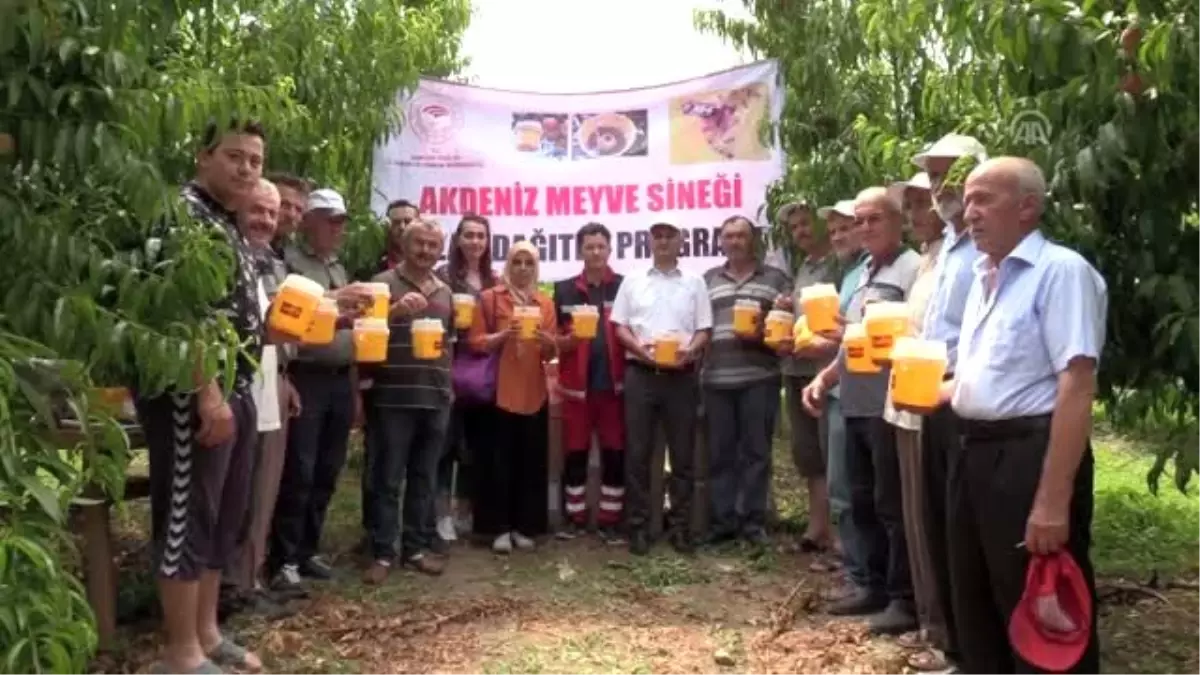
(582, 607)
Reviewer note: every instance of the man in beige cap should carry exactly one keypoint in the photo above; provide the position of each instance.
(845, 238)
(952, 278)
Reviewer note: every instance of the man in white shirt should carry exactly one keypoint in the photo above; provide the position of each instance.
(660, 301)
(275, 400)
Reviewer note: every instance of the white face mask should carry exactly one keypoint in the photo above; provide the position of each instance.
(949, 208)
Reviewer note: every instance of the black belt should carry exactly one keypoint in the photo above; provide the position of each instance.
(647, 368)
(310, 368)
(995, 430)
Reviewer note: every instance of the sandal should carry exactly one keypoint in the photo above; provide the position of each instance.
(205, 668)
(231, 655)
(811, 546)
(913, 640)
(825, 565)
(928, 661)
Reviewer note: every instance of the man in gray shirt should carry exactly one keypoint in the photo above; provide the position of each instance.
(741, 388)
(324, 378)
(870, 441)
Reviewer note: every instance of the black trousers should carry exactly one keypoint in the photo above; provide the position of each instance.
(457, 451)
(876, 506)
(315, 455)
(512, 475)
(671, 397)
(992, 485)
(941, 443)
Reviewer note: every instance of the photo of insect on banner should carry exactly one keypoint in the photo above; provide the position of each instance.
(720, 125)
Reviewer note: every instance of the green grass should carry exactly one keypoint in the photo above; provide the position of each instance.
(1135, 533)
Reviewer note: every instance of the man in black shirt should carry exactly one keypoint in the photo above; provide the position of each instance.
(201, 444)
(293, 196)
(400, 213)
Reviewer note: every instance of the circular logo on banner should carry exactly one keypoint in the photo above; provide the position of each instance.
(434, 119)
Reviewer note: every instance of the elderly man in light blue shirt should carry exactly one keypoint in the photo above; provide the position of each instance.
(1023, 386)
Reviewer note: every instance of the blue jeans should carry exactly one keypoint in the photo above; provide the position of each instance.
(837, 473)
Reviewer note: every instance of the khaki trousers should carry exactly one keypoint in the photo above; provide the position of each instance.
(912, 485)
(268, 469)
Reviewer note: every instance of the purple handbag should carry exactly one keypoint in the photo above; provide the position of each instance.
(474, 375)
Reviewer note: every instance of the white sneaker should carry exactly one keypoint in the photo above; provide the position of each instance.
(445, 529)
(463, 523)
(287, 577)
(502, 544)
(524, 543)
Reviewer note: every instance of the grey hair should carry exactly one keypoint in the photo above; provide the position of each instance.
(1028, 176)
(267, 186)
(880, 195)
(786, 211)
(421, 224)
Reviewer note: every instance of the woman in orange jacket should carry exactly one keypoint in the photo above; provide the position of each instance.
(512, 482)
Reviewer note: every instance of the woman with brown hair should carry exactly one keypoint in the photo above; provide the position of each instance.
(469, 272)
(512, 481)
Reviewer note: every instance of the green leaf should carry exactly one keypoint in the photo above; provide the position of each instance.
(16, 82)
(83, 144)
(1182, 295)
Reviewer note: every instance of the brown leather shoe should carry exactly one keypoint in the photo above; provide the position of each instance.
(376, 573)
(426, 563)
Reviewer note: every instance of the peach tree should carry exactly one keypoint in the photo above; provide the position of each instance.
(100, 107)
(1101, 93)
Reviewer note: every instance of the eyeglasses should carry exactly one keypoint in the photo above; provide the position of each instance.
(522, 263)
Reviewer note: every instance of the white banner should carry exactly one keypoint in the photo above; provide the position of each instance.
(540, 166)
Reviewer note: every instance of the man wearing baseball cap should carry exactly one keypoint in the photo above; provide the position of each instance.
(662, 301)
(926, 233)
(940, 442)
(325, 378)
(846, 240)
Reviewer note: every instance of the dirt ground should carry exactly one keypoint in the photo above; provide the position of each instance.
(572, 606)
(583, 607)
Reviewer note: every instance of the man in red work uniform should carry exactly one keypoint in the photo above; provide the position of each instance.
(590, 379)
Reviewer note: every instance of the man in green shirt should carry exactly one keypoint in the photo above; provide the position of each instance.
(809, 435)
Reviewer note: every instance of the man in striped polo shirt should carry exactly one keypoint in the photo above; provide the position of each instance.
(411, 400)
(741, 388)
